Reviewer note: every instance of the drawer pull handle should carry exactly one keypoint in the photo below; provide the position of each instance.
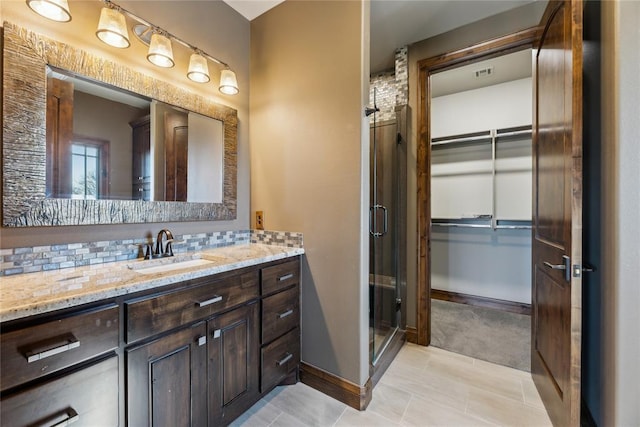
(284, 359)
(285, 314)
(285, 277)
(213, 300)
(72, 343)
(72, 417)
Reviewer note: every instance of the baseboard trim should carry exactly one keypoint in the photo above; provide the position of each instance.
(358, 397)
(412, 334)
(497, 304)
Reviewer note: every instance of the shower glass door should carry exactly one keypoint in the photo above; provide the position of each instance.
(387, 160)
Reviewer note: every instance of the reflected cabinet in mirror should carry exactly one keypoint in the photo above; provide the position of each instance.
(89, 141)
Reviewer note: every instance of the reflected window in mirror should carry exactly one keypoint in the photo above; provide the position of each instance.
(89, 169)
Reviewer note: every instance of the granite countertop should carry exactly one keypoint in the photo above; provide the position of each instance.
(28, 294)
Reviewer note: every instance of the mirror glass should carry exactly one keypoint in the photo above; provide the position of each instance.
(112, 144)
(172, 156)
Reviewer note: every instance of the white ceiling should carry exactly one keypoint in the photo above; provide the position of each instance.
(251, 9)
(513, 66)
(397, 23)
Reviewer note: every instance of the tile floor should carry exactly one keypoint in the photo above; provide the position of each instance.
(424, 386)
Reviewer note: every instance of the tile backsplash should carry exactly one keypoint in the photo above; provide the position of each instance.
(54, 257)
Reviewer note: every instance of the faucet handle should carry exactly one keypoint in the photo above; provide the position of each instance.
(148, 251)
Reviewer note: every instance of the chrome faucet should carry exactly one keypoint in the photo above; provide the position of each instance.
(161, 250)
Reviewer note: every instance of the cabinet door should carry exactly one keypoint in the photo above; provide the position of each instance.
(166, 380)
(233, 363)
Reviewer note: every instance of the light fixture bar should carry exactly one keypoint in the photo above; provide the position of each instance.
(166, 33)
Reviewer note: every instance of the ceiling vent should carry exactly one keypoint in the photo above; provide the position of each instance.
(484, 72)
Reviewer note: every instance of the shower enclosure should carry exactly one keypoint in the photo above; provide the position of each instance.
(387, 231)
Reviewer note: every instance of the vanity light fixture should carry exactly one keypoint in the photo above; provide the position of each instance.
(228, 82)
(56, 10)
(198, 68)
(160, 51)
(112, 28)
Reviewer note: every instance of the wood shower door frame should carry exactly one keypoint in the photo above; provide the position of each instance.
(481, 51)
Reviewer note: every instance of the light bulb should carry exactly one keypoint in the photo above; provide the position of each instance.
(56, 10)
(160, 51)
(198, 69)
(228, 82)
(112, 28)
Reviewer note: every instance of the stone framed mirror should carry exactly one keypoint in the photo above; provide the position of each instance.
(27, 199)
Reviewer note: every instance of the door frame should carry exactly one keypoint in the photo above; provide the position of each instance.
(484, 50)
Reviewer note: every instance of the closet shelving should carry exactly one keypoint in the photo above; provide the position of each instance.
(483, 163)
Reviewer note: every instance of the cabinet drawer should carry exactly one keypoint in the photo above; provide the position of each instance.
(278, 359)
(88, 397)
(280, 276)
(280, 313)
(35, 351)
(150, 315)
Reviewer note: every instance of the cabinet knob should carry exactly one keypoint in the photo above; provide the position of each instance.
(202, 340)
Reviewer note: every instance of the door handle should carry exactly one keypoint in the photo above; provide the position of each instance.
(385, 221)
(566, 266)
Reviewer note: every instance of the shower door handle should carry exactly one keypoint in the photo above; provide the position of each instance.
(385, 221)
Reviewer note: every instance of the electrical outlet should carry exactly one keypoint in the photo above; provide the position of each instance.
(259, 220)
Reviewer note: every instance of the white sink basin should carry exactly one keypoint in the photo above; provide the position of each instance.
(178, 265)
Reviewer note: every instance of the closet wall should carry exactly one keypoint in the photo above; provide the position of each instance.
(481, 192)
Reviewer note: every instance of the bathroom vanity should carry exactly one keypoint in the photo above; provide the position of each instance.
(192, 342)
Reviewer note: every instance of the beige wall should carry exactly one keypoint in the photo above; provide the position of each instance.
(307, 99)
(620, 207)
(495, 26)
(214, 27)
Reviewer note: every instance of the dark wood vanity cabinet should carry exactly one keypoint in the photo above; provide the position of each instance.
(166, 380)
(280, 350)
(61, 368)
(197, 353)
(233, 367)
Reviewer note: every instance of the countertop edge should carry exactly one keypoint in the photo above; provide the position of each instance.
(141, 282)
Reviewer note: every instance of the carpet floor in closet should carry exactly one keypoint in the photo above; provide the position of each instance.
(482, 333)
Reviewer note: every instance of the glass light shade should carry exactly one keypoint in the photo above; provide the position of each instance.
(160, 51)
(228, 82)
(56, 10)
(198, 69)
(112, 28)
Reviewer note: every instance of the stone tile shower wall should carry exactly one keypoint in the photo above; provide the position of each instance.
(55, 257)
(391, 87)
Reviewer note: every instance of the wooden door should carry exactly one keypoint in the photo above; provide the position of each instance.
(557, 205)
(234, 345)
(176, 136)
(141, 158)
(59, 136)
(166, 380)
